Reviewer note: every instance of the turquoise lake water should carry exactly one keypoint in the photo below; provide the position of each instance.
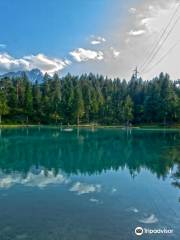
(88, 184)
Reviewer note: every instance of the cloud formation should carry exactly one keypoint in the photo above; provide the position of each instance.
(115, 52)
(9, 63)
(152, 17)
(135, 38)
(130, 38)
(97, 40)
(83, 55)
(137, 32)
(132, 10)
(40, 61)
(45, 64)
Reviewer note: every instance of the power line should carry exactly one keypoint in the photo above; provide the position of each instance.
(163, 57)
(161, 45)
(156, 43)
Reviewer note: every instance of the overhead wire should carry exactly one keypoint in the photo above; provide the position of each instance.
(161, 45)
(163, 57)
(160, 42)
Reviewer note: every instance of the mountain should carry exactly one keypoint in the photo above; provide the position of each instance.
(33, 75)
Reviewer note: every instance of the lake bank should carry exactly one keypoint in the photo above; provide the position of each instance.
(140, 126)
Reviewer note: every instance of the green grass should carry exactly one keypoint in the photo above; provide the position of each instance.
(140, 126)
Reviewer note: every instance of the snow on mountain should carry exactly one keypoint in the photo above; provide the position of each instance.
(33, 75)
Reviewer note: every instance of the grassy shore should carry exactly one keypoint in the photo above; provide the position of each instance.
(140, 126)
(17, 125)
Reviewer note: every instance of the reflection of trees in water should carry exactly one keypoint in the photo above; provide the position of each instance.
(174, 154)
(176, 178)
(88, 152)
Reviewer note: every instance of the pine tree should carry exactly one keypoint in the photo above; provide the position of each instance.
(4, 109)
(127, 110)
(78, 107)
(28, 101)
(90, 98)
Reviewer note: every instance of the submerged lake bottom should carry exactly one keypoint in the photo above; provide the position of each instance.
(89, 184)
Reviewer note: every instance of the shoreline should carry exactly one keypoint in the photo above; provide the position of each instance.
(142, 127)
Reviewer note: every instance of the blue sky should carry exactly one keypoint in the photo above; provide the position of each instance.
(100, 36)
(53, 27)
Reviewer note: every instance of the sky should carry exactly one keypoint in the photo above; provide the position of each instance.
(109, 37)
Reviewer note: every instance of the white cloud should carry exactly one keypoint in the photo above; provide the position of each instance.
(9, 63)
(44, 63)
(145, 21)
(154, 17)
(115, 52)
(83, 55)
(40, 180)
(84, 188)
(97, 40)
(149, 220)
(2, 45)
(137, 32)
(134, 38)
(132, 10)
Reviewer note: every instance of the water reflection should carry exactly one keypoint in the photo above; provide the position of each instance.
(98, 184)
(24, 152)
(39, 179)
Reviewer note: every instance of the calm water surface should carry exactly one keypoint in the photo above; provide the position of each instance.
(88, 185)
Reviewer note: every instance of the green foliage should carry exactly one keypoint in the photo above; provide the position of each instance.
(90, 98)
(3, 105)
(78, 107)
(127, 113)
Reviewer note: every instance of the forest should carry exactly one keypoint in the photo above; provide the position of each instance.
(90, 99)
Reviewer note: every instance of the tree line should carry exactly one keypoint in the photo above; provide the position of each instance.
(94, 156)
(89, 99)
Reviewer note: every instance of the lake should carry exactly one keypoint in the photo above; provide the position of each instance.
(88, 184)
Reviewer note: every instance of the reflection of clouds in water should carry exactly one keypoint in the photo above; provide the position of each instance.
(41, 180)
(114, 190)
(94, 200)
(22, 236)
(149, 220)
(133, 209)
(84, 188)
(97, 201)
(3, 195)
(6, 229)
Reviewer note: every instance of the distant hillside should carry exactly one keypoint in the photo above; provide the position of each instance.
(33, 75)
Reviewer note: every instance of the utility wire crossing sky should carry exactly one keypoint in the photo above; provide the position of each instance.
(109, 37)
